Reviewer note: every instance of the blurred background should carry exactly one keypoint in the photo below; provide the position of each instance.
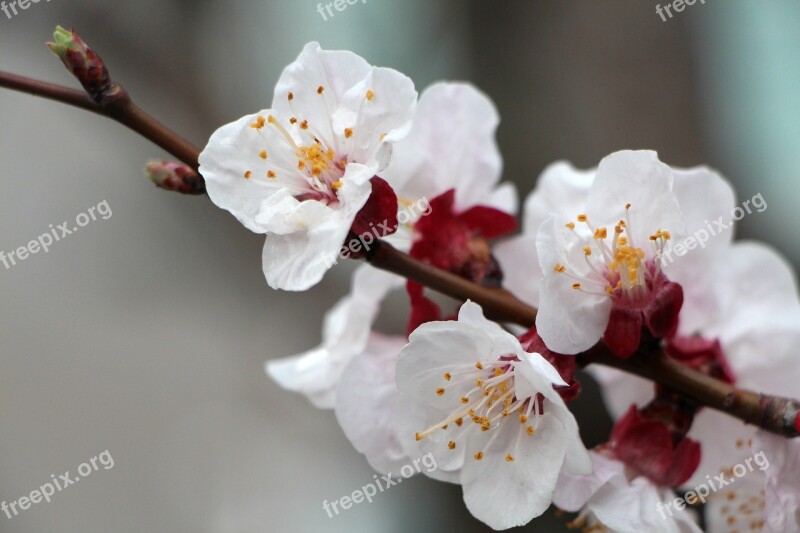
(145, 334)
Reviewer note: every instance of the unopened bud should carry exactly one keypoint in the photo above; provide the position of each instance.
(82, 61)
(173, 176)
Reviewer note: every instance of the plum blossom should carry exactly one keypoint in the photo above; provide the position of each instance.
(612, 498)
(346, 333)
(490, 415)
(301, 171)
(766, 493)
(602, 273)
(740, 322)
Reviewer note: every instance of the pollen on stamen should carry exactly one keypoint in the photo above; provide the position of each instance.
(459, 421)
(478, 456)
(262, 154)
(530, 431)
(248, 174)
(523, 419)
(587, 250)
(293, 120)
(509, 458)
(444, 426)
(451, 445)
(576, 286)
(370, 95)
(570, 225)
(320, 89)
(290, 96)
(271, 174)
(582, 218)
(479, 365)
(304, 125)
(464, 399)
(447, 376)
(258, 124)
(559, 268)
(439, 391)
(600, 233)
(336, 185)
(419, 436)
(348, 132)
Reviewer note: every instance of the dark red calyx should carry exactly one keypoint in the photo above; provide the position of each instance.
(566, 365)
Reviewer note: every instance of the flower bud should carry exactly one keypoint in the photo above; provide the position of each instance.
(173, 176)
(82, 61)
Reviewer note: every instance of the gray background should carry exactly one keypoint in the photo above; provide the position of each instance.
(145, 334)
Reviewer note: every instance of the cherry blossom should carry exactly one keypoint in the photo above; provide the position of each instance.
(490, 415)
(301, 171)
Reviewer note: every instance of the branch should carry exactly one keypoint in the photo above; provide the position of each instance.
(116, 104)
(774, 414)
(778, 415)
(499, 304)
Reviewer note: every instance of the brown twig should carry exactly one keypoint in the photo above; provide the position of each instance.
(778, 415)
(115, 104)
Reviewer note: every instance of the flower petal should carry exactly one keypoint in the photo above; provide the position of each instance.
(345, 333)
(640, 179)
(451, 146)
(505, 494)
(366, 404)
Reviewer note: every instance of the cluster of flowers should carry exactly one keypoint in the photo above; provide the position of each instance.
(345, 145)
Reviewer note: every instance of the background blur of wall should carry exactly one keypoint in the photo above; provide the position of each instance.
(145, 334)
